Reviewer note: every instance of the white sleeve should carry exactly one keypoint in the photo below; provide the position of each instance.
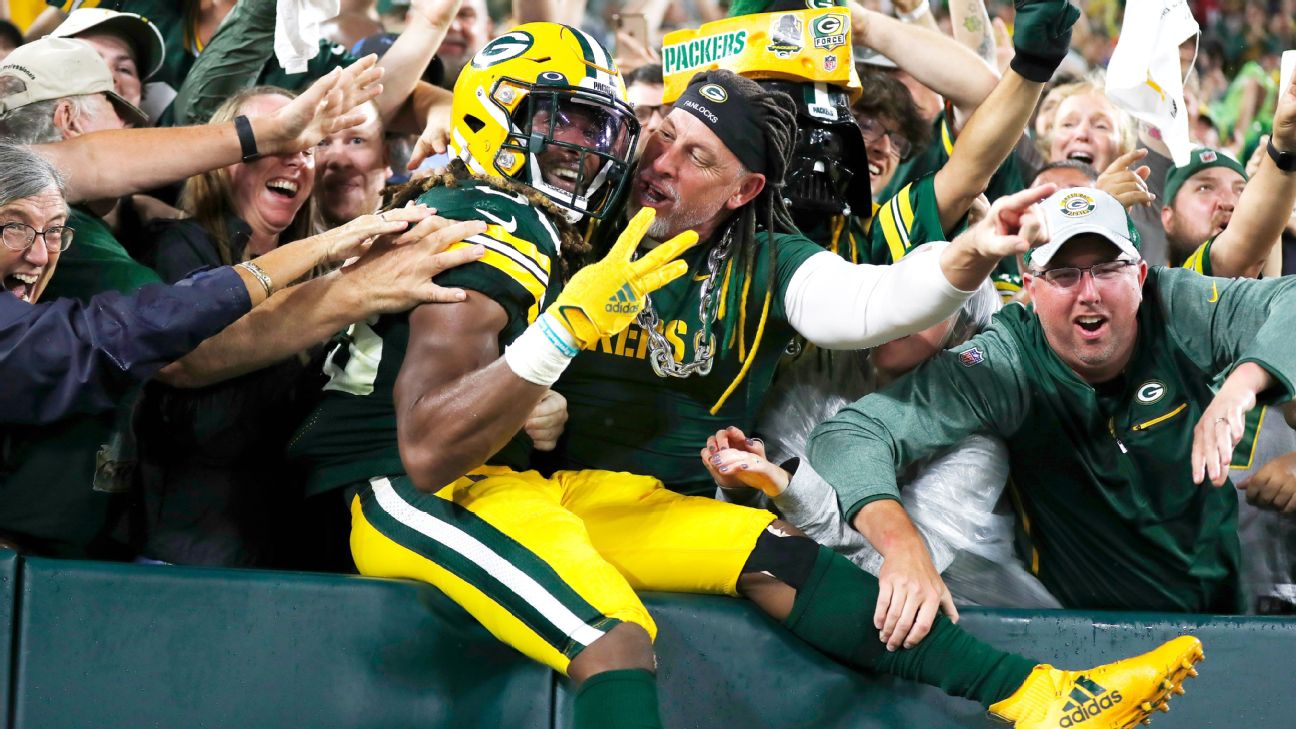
(841, 305)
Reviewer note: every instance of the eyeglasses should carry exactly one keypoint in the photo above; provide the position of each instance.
(20, 236)
(644, 113)
(1068, 277)
(874, 130)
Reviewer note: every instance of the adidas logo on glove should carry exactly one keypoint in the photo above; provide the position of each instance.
(623, 302)
(1081, 707)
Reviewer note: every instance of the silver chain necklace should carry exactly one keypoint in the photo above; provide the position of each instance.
(660, 352)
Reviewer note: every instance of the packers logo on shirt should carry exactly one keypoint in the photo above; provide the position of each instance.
(1150, 392)
(1077, 204)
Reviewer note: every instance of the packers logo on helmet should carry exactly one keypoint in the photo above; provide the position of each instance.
(545, 105)
(509, 45)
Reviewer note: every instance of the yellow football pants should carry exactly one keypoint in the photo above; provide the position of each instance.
(548, 565)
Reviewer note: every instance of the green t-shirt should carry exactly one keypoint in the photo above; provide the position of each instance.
(351, 436)
(1102, 474)
(96, 262)
(623, 417)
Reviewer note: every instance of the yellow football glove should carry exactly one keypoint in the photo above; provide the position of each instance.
(605, 297)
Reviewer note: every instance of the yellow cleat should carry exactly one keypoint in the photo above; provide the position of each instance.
(1115, 696)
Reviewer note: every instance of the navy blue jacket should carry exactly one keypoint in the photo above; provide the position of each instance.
(64, 357)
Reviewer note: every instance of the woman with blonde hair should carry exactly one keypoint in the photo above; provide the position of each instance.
(242, 210)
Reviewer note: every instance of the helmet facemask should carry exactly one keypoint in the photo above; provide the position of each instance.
(577, 146)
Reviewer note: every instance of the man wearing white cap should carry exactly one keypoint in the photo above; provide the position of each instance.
(130, 44)
(55, 86)
(1103, 395)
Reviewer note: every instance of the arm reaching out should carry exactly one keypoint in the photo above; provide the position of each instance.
(119, 162)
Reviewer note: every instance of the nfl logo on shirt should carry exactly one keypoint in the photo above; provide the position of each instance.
(971, 357)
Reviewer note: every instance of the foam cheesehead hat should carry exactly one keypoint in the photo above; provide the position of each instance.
(1202, 158)
(140, 32)
(1076, 211)
(55, 68)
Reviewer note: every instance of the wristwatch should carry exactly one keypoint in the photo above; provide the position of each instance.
(1285, 161)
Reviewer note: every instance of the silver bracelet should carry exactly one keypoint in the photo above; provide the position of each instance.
(261, 276)
(923, 8)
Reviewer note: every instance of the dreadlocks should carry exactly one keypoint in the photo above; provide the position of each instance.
(776, 115)
(572, 246)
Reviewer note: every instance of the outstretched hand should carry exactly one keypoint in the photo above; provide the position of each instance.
(1014, 224)
(329, 105)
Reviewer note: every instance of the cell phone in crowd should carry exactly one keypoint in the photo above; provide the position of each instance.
(634, 25)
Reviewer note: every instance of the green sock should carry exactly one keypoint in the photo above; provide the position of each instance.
(624, 699)
(833, 612)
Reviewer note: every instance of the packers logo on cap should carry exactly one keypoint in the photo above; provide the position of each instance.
(1077, 204)
(509, 45)
(715, 93)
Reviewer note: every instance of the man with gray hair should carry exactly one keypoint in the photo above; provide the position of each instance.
(1103, 394)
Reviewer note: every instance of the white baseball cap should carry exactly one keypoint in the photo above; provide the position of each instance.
(140, 32)
(55, 68)
(1075, 211)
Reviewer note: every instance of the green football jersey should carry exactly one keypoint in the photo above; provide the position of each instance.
(905, 221)
(1102, 473)
(351, 436)
(623, 417)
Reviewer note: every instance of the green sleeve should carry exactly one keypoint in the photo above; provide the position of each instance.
(793, 250)
(977, 387)
(231, 62)
(1221, 323)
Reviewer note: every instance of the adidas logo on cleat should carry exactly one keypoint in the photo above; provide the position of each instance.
(1081, 708)
(622, 302)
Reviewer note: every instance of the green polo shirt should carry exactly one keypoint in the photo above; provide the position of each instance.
(95, 263)
(1102, 474)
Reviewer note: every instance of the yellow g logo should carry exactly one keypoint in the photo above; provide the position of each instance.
(715, 93)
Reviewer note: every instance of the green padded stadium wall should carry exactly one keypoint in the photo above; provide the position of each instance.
(9, 566)
(110, 645)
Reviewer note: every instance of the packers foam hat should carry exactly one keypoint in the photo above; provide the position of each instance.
(140, 32)
(750, 7)
(1202, 158)
(1076, 211)
(55, 68)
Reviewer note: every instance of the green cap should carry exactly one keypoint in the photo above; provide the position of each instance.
(752, 7)
(1202, 158)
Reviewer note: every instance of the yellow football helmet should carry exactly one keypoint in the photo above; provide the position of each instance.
(544, 104)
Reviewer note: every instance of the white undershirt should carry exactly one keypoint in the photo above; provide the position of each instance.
(841, 305)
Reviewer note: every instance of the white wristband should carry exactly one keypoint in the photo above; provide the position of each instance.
(542, 352)
(923, 8)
